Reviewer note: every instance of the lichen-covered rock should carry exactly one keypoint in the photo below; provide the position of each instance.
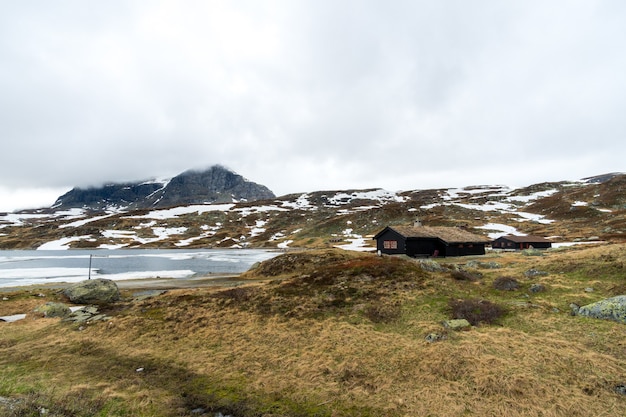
(484, 265)
(93, 291)
(613, 308)
(535, 288)
(457, 324)
(53, 309)
(532, 273)
(429, 265)
(86, 314)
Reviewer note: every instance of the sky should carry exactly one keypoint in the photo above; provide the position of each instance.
(305, 96)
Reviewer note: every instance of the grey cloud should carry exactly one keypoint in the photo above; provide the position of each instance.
(335, 93)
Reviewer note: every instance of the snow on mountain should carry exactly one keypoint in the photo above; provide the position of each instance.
(564, 211)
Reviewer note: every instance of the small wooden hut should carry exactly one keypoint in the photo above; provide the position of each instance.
(513, 242)
(428, 241)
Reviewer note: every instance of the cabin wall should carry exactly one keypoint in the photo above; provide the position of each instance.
(503, 243)
(423, 247)
(391, 243)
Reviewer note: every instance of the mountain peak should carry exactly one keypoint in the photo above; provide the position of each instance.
(216, 184)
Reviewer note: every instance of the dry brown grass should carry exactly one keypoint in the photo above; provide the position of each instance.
(221, 351)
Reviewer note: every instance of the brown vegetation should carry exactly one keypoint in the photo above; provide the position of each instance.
(341, 334)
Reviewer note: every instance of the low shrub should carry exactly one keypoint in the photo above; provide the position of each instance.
(476, 311)
(532, 252)
(506, 284)
(383, 312)
(461, 275)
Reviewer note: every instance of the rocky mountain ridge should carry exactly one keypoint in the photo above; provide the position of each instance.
(593, 209)
(213, 185)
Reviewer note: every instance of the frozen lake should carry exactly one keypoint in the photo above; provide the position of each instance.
(27, 267)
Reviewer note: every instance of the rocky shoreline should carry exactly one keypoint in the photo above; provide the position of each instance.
(212, 280)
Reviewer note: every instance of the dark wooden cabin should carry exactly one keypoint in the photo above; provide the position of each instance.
(420, 241)
(513, 242)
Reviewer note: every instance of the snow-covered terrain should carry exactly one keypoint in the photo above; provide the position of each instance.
(346, 219)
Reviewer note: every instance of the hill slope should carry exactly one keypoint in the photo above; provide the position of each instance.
(335, 333)
(563, 211)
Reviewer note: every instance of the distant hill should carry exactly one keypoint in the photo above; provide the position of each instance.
(215, 209)
(214, 185)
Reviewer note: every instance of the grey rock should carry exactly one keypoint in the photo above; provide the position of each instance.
(620, 389)
(53, 309)
(433, 337)
(613, 308)
(588, 289)
(535, 288)
(86, 315)
(93, 291)
(457, 324)
(429, 265)
(532, 273)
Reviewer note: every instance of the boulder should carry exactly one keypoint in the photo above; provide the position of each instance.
(613, 308)
(93, 291)
(429, 265)
(52, 309)
(535, 288)
(457, 324)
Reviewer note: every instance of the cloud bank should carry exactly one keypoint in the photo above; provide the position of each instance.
(310, 95)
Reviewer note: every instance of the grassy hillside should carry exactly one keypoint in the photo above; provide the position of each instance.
(335, 333)
(563, 211)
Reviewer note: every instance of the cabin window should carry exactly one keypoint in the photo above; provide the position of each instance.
(390, 244)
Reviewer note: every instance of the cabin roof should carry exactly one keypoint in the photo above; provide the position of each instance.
(447, 234)
(525, 239)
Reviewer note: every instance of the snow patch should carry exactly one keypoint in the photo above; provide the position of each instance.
(63, 243)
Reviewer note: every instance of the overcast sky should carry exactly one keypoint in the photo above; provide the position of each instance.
(309, 95)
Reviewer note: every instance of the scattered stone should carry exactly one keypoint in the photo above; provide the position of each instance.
(532, 273)
(52, 309)
(621, 389)
(457, 324)
(535, 288)
(433, 337)
(12, 318)
(5, 299)
(613, 308)
(8, 403)
(532, 252)
(523, 304)
(555, 310)
(139, 370)
(86, 314)
(588, 289)
(93, 291)
(484, 265)
(429, 265)
(574, 308)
